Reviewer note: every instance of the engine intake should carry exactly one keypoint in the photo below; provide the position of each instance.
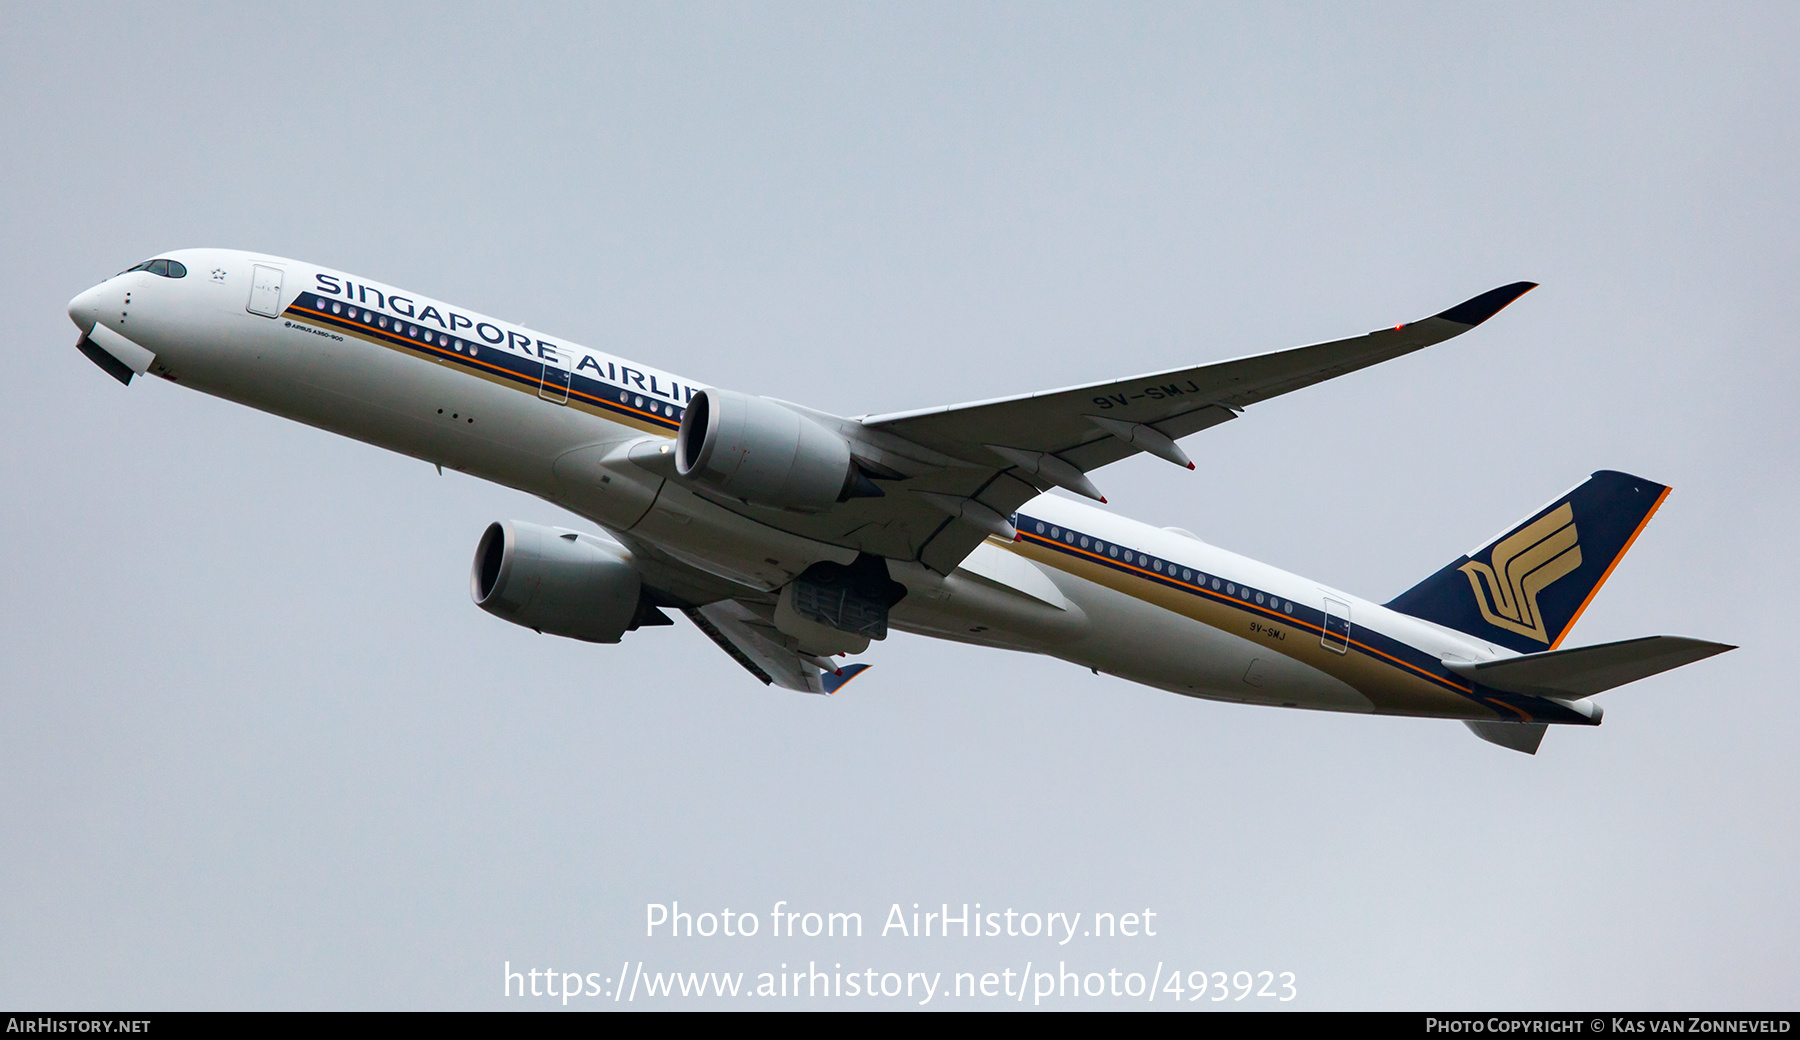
(558, 581)
(754, 449)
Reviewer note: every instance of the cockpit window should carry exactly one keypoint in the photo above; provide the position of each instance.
(166, 268)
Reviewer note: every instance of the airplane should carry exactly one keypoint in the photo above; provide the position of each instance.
(792, 537)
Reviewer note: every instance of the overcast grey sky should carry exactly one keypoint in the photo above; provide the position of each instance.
(258, 749)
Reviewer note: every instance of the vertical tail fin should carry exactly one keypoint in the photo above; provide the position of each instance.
(1525, 589)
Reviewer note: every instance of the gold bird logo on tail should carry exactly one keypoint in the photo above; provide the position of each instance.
(1521, 566)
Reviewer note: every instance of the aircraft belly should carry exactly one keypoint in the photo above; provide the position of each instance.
(1150, 635)
(598, 482)
(1107, 630)
(1149, 643)
(976, 608)
(718, 541)
(1358, 679)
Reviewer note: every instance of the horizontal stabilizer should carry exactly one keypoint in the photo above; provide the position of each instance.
(1587, 670)
(1518, 736)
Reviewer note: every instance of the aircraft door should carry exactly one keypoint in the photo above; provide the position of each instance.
(265, 291)
(554, 386)
(1336, 635)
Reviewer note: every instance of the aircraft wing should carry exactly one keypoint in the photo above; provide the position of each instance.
(951, 476)
(763, 651)
(1036, 439)
(1176, 402)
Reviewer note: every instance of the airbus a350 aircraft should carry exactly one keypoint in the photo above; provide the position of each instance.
(790, 536)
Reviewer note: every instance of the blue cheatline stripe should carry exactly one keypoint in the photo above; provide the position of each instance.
(1255, 602)
(523, 373)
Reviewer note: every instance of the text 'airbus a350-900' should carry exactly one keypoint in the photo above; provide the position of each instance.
(792, 537)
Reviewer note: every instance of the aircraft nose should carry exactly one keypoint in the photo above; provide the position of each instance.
(84, 310)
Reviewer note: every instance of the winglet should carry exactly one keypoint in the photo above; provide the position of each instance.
(1475, 311)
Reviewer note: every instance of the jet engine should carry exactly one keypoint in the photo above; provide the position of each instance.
(754, 449)
(558, 581)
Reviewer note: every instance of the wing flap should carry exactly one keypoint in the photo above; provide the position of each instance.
(755, 643)
(1106, 450)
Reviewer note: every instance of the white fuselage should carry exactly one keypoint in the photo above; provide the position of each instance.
(496, 400)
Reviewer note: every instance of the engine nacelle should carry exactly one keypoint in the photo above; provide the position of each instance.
(555, 580)
(754, 449)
